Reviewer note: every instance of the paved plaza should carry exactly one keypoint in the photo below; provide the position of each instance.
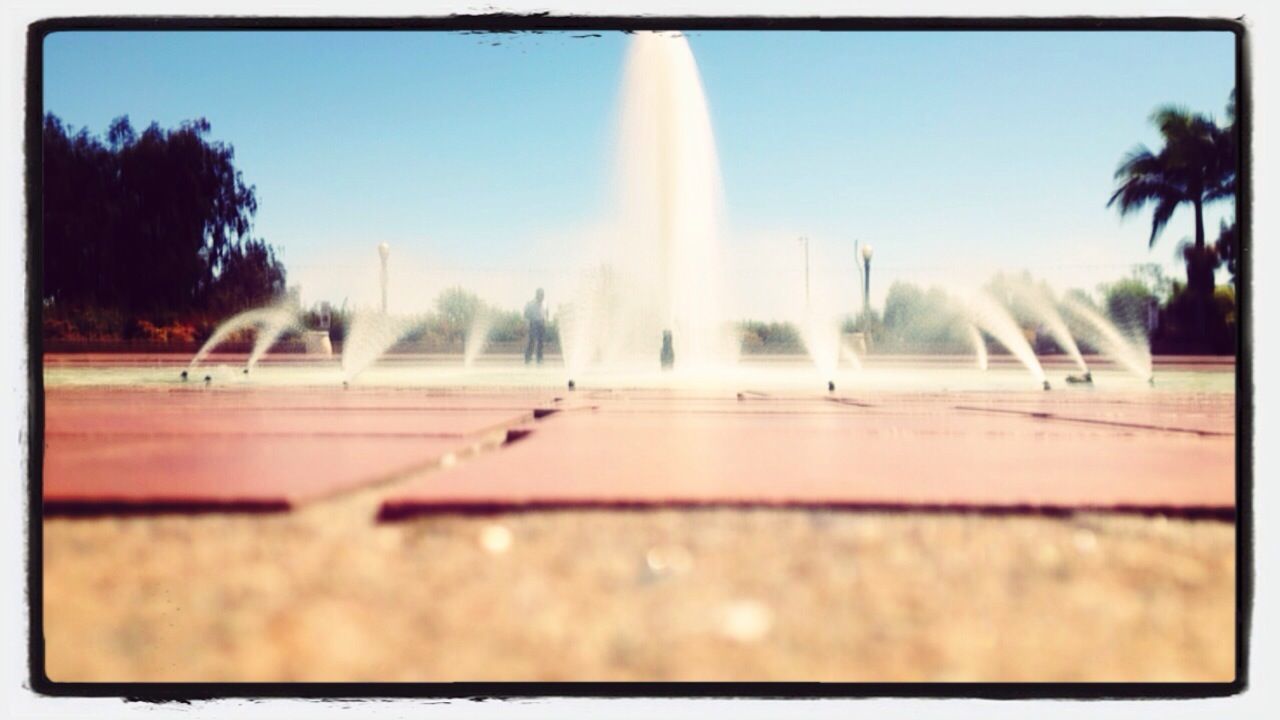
(280, 527)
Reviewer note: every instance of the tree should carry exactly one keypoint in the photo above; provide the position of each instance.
(457, 309)
(1227, 247)
(917, 320)
(251, 276)
(149, 222)
(1196, 166)
(1128, 301)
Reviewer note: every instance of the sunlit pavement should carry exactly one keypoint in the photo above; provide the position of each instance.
(362, 543)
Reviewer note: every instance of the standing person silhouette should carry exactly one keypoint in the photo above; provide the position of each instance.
(535, 313)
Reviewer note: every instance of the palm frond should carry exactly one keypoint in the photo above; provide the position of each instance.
(1160, 217)
(1144, 177)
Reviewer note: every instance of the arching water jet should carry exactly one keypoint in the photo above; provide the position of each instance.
(477, 337)
(268, 333)
(1043, 307)
(996, 320)
(979, 346)
(1134, 357)
(264, 320)
(370, 336)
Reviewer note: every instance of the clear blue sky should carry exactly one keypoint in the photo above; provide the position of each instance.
(476, 155)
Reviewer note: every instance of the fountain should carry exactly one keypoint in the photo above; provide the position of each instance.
(370, 336)
(477, 337)
(268, 333)
(847, 352)
(979, 346)
(1134, 357)
(652, 295)
(821, 335)
(661, 262)
(1041, 305)
(996, 320)
(372, 333)
(268, 322)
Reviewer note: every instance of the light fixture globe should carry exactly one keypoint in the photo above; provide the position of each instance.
(384, 250)
(866, 253)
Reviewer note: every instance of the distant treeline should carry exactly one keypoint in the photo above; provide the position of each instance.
(914, 319)
(1145, 304)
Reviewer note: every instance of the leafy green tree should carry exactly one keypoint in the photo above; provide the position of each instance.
(1227, 247)
(456, 310)
(917, 320)
(1127, 302)
(771, 337)
(508, 326)
(149, 222)
(251, 276)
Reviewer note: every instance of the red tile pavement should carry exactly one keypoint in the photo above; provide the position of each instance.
(139, 450)
(190, 422)
(273, 448)
(934, 456)
(1211, 415)
(114, 474)
(301, 398)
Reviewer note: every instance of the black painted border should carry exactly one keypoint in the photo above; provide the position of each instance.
(163, 692)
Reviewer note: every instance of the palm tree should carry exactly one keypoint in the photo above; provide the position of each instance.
(1196, 166)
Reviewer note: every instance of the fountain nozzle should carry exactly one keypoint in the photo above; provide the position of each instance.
(246, 371)
(1046, 384)
(346, 384)
(208, 379)
(184, 375)
(1151, 381)
(831, 386)
(572, 385)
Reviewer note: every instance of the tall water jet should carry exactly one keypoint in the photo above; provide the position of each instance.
(1134, 357)
(996, 320)
(664, 255)
(979, 346)
(589, 326)
(264, 320)
(821, 335)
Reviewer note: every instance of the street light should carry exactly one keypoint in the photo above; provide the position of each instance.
(866, 278)
(383, 251)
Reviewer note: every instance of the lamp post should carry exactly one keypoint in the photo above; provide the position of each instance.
(383, 251)
(866, 278)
